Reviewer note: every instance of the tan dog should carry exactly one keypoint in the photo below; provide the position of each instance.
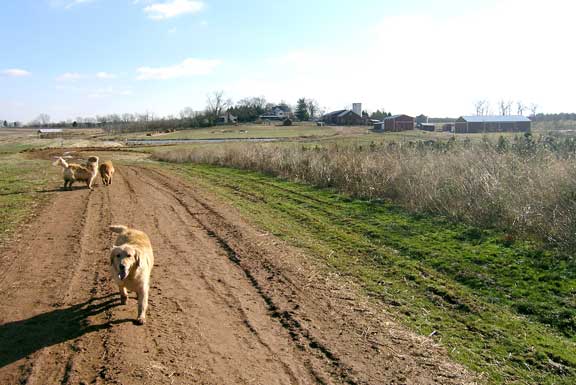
(73, 172)
(131, 261)
(106, 172)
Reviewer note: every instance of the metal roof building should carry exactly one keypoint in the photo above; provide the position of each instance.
(492, 123)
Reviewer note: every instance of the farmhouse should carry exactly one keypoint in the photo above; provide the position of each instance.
(280, 112)
(46, 133)
(395, 123)
(489, 123)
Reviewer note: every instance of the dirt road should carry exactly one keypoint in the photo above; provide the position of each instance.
(228, 304)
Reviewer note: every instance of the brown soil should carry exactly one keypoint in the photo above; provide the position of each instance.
(228, 304)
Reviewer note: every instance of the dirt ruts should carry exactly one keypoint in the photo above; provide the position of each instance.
(228, 303)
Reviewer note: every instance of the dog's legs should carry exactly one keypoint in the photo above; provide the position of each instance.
(91, 181)
(123, 295)
(142, 306)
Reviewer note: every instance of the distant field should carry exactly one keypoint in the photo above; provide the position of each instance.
(258, 131)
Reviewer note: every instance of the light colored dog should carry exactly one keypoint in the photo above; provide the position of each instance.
(73, 172)
(106, 172)
(131, 261)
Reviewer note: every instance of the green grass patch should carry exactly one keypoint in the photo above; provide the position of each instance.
(23, 184)
(501, 307)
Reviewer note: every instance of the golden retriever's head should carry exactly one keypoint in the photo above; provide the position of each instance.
(124, 259)
(93, 159)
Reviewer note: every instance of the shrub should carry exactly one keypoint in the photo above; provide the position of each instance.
(526, 187)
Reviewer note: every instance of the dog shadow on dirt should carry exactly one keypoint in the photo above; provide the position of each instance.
(21, 338)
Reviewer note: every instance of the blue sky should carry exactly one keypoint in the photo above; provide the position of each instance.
(71, 58)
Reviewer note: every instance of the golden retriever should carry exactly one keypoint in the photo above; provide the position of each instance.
(131, 262)
(73, 172)
(106, 172)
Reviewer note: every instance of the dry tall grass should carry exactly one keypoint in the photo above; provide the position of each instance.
(525, 189)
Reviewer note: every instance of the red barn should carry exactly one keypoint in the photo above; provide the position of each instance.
(396, 123)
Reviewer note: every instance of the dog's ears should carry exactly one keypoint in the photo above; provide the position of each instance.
(113, 253)
(137, 257)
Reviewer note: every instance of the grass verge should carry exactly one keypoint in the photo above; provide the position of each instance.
(23, 183)
(503, 308)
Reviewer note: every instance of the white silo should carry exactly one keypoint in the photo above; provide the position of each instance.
(357, 108)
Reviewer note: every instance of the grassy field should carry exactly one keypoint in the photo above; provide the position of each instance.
(23, 186)
(523, 185)
(505, 309)
(257, 131)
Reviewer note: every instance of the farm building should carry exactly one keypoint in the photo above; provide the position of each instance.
(395, 123)
(46, 133)
(427, 127)
(343, 118)
(448, 127)
(351, 117)
(510, 123)
(421, 119)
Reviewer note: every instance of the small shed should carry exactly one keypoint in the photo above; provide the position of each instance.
(47, 133)
(427, 127)
(492, 123)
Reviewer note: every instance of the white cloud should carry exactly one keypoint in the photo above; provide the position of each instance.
(69, 76)
(16, 72)
(109, 92)
(77, 2)
(189, 67)
(105, 75)
(67, 4)
(173, 8)
(441, 65)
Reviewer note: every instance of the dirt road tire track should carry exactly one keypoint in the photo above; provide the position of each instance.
(228, 304)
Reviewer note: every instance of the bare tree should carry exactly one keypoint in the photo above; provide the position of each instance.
(216, 104)
(187, 113)
(43, 119)
(481, 107)
(505, 107)
(313, 107)
(520, 107)
(533, 109)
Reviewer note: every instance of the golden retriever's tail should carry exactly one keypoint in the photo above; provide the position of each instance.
(118, 229)
(60, 162)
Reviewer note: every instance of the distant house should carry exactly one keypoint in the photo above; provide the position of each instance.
(46, 133)
(395, 123)
(491, 123)
(343, 118)
(227, 118)
(280, 112)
